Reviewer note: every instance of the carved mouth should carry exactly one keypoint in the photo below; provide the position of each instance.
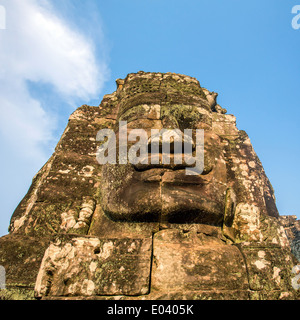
(145, 167)
(171, 166)
(168, 176)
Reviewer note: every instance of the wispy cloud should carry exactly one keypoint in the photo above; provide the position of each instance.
(39, 46)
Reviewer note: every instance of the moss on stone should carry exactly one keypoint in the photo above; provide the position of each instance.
(136, 112)
(181, 116)
(17, 294)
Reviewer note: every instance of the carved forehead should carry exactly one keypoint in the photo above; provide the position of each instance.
(177, 115)
(158, 88)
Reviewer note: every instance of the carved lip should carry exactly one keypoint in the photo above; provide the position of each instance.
(173, 167)
(169, 176)
(140, 167)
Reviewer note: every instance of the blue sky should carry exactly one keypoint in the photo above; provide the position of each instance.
(58, 54)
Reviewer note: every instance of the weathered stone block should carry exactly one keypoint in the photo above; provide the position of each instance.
(21, 258)
(187, 261)
(86, 266)
(268, 266)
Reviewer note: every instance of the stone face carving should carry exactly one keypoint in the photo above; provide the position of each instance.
(163, 192)
(142, 231)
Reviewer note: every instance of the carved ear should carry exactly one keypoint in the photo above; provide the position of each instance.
(78, 220)
(230, 207)
(246, 174)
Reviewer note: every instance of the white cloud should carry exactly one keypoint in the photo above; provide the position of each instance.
(39, 46)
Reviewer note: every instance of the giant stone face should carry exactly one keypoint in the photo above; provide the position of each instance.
(149, 230)
(164, 192)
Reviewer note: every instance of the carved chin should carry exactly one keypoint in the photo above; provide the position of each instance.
(171, 209)
(172, 201)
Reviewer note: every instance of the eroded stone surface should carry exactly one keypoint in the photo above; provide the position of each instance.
(151, 232)
(267, 266)
(21, 257)
(292, 228)
(90, 266)
(191, 262)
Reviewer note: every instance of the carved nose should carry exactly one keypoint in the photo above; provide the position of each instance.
(169, 149)
(172, 142)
